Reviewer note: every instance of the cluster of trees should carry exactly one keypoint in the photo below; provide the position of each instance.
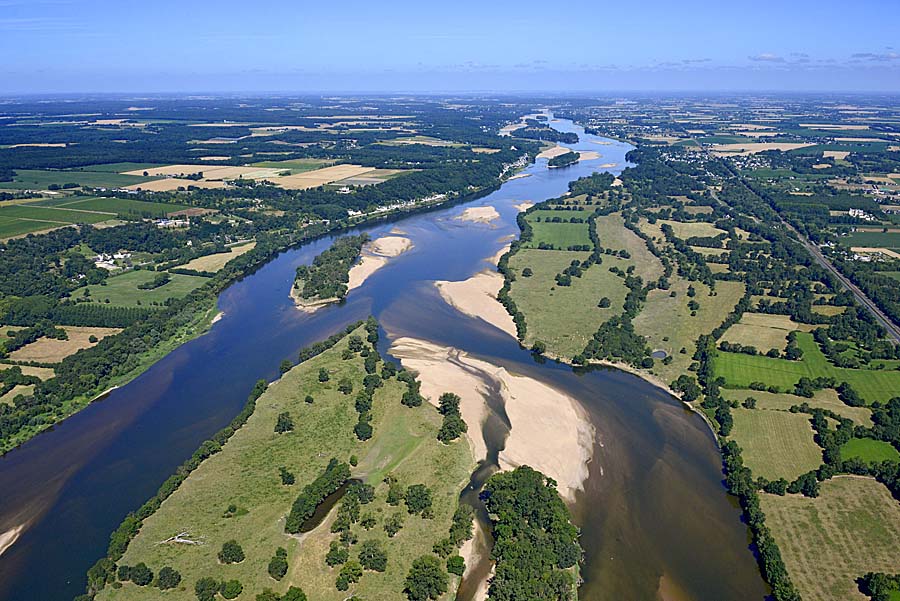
(880, 587)
(564, 160)
(329, 481)
(328, 275)
(158, 281)
(453, 425)
(535, 542)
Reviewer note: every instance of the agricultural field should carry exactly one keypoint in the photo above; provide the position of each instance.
(875, 239)
(613, 234)
(51, 350)
(125, 208)
(213, 263)
(776, 444)
(764, 331)
(781, 401)
(246, 474)
(740, 370)
(851, 528)
(36, 179)
(295, 166)
(558, 235)
(688, 229)
(869, 450)
(122, 290)
(564, 317)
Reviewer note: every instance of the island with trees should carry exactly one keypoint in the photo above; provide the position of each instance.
(325, 280)
(564, 160)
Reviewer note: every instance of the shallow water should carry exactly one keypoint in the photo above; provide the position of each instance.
(653, 507)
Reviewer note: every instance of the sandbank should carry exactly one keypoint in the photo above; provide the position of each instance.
(588, 155)
(376, 255)
(470, 552)
(519, 176)
(553, 152)
(609, 165)
(549, 430)
(479, 214)
(524, 205)
(477, 297)
(10, 536)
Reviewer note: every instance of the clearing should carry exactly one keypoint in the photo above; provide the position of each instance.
(50, 350)
(776, 444)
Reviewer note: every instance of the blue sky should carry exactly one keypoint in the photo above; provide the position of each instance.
(462, 45)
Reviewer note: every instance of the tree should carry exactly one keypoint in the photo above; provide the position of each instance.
(456, 565)
(418, 498)
(141, 575)
(231, 552)
(337, 554)
(527, 273)
(168, 578)
(451, 429)
(231, 589)
(268, 595)
(323, 375)
(278, 565)
(287, 478)
(604, 302)
(294, 594)
(206, 588)
(426, 579)
(372, 556)
(285, 366)
(393, 524)
(350, 573)
(309, 399)
(539, 347)
(345, 386)
(448, 403)
(284, 423)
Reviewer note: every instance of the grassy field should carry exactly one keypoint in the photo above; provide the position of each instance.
(853, 527)
(10, 227)
(686, 229)
(822, 399)
(869, 450)
(124, 207)
(875, 239)
(564, 317)
(776, 444)
(50, 350)
(245, 473)
(613, 234)
(122, 290)
(213, 263)
(560, 235)
(52, 214)
(739, 370)
(666, 321)
(41, 179)
(764, 331)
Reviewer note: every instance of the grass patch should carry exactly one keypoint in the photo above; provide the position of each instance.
(763, 331)
(245, 473)
(16, 227)
(213, 263)
(564, 317)
(739, 370)
(822, 399)
(687, 229)
(613, 234)
(58, 215)
(776, 444)
(875, 239)
(122, 290)
(41, 179)
(869, 450)
(123, 207)
(851, 528)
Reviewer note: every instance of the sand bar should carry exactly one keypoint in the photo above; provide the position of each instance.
(549, 430)
(588, 155)
(524, 205)
(9, 537)
(519, 176)
(479, 214)
(376, 255)
(477, 297)
(553, 152)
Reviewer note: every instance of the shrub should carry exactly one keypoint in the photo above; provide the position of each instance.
(231, 552)
(141, 575)
(231, 589)
(278, 565)
(418, 498)
(206, 588)
(372, 556)
(284, 423)
(426, 579)
(456, 565)
(168, 578)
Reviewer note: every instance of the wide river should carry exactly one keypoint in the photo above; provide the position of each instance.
(655, 518)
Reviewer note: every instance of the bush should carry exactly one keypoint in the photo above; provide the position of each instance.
(287, 478)
(456, 565)
(372, 556)
(168, 578)
(393, 524)
(231, 552)
(284, 423)
(278, 565)
(345, 386)
(141, 575)
(426, 579)
(294, 594)
(337, 554)
(350, 573)
(323, 375)
(231, 589)
(206, 589)
(418, 498)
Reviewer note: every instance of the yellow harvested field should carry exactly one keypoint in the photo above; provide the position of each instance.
(49, 350)
(834, 126)
(213, 263)
(210, 172)
(822, 166)
(44, 373)
(838, 155)
(764, 331)
(827, 542)
(170, 170)
(480, 150)
(173, 183)
(750, 126)
(320, 177)
(25, 389)
(876, 251)
(746, 148)
(859, 139)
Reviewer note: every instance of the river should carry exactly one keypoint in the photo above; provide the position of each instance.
(656, 521)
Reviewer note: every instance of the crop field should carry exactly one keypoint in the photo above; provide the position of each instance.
(869, 450)
(52, 214)
(122, 290)
(121, 207)
(171, 184)
(667, 324)
(320, 177)
(295, 166)
(875, 239)
(764, 331)
(17, 227)
(564, 317)
(740, 370)
(246, 473)
(776, 444)
(213, 263)
(822, 399)
(560, 235)
(50, 350)
(851, 528)
(36, 179)
(613, 234)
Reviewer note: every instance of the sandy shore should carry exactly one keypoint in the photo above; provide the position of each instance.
(479, 214)
(588, 155)
(9, 537)
(519, 176)
(549, 430)
(477, 297)
(218, 316)
(609, 165)
(523, 206)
